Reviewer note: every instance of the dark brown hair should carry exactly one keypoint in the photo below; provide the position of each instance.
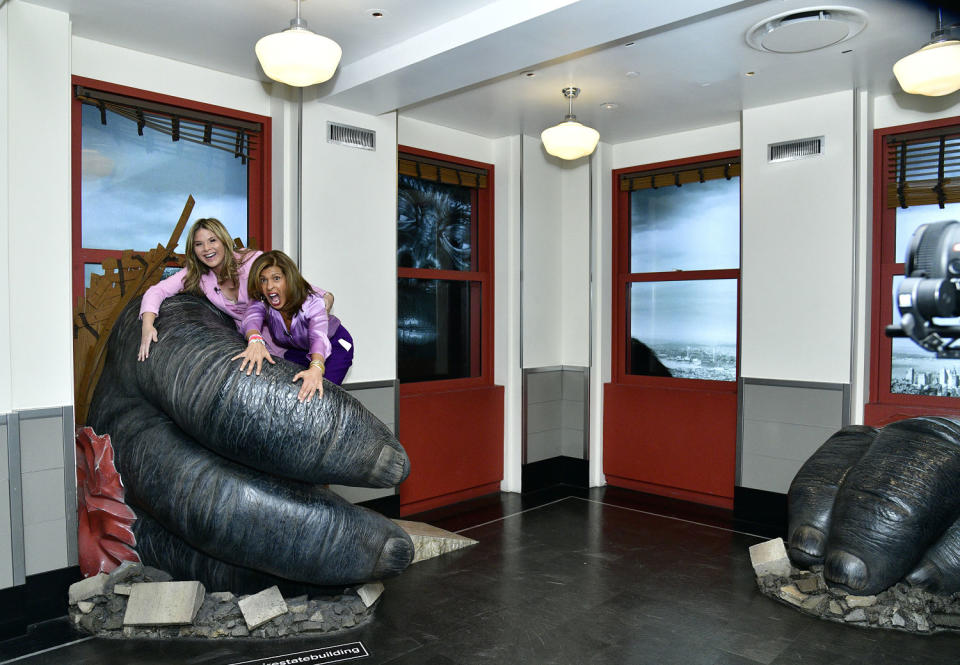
(297, 287)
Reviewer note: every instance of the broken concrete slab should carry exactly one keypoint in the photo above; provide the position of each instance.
(370, 592)
(792, 594)
(88, 588)
(430, 541)
(163, 603)
(261, 607)
(127, 570)
(860, 601)
(770, 558)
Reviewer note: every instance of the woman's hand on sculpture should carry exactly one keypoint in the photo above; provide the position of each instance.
(312, 382)
(253, 357)
(148, 334)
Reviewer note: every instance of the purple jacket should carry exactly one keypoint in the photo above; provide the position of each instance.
(310, 327)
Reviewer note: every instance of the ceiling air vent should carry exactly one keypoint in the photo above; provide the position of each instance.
(804, 30)
(790, 150)
(353, 137)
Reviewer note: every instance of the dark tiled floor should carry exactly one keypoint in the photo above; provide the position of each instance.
(571, 576)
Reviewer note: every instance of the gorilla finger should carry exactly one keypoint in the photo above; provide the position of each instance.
(254, 420)
(894, 504)
(814, 488)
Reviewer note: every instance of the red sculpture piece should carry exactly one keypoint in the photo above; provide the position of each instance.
(104, 522)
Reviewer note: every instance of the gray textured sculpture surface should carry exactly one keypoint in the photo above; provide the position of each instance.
(226, 471)
(877, 507)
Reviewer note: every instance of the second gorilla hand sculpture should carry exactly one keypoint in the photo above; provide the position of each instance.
(877, 507)
(226, 472)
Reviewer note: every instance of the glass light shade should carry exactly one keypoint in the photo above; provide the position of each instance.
(570, 140)
(298, 57)
(934, 70)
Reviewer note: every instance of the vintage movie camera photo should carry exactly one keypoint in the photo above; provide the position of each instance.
(928, 294)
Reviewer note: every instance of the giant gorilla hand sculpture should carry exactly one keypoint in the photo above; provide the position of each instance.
(225, 471)
(877, 507)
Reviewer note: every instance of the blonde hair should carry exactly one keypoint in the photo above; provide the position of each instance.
(297, 287)
(229, 269)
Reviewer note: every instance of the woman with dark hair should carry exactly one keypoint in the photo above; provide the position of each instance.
(296, 317)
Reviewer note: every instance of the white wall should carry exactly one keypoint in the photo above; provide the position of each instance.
(574, 282)
(798, 232)
(38, 207)
(507, 314)
(693, 143)
(122, 66)
(426, 136)
(5, 378)
(542, 313)
(903, 109)
(350, 233)
(600, 304)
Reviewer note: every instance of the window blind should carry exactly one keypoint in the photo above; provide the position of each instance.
(437, 171)
(223, 133)
(679, 176)
(923, 168)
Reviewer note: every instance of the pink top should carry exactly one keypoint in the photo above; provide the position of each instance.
(173, 285)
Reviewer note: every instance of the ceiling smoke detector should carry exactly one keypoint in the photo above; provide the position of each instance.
(803, 30)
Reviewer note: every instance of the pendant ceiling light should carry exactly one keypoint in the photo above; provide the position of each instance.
(297, 56)
(934, 70)
(570, 139)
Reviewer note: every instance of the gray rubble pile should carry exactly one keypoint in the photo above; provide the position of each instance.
(901, 607)
(137, 601)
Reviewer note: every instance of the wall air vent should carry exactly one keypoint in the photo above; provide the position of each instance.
(786, 151)
(352, 137)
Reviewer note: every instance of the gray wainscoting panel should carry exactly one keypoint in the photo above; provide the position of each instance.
(380, 398)
(781, 424)
(43, 470)
(554, 412)
(6, 533)
(15, 499)
(542, 413)
(575, 412)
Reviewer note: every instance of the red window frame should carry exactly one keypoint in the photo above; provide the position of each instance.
(622, 278)
(884, 405)
(258, 173)
(481, 315)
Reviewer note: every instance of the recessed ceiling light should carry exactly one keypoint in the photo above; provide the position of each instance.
(609, 105)
(705, 85)
(632, 74)
(529, 75)
(375, 13)
(750, 74)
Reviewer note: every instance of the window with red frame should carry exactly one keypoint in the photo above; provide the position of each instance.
(677, 267)
(917, 181)
(444, 269)
(138, 155)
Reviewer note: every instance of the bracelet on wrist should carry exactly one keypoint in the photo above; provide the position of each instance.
(317, 363)
(256, 339)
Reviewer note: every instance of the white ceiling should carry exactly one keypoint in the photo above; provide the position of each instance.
(461, 63)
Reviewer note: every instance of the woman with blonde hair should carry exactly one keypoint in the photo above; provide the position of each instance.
(214, 270)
